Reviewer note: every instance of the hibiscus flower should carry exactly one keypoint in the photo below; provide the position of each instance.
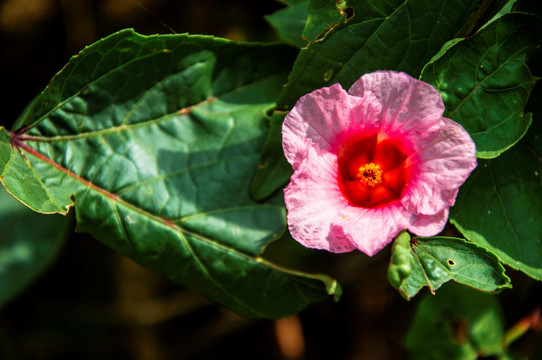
(371, 162)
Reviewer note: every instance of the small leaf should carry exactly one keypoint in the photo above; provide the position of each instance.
(457, 323)
(485, 82)
(433, 261)
(500, 208)
(29, 244)
(154, 140)
(290, 21)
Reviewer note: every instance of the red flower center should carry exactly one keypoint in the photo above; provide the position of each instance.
(372, 173)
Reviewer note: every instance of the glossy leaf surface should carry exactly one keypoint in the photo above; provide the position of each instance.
(434, 261)
(485, 82)
(154, 140)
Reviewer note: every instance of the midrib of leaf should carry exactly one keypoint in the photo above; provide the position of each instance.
(165, 222)
(184, 111)
(61, 103)
(182, 232)
(429, 284)
(114, 129)
(225, 210)
(112, 197)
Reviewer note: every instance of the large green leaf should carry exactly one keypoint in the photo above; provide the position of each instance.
(500, 208)
(485, 82)
(154, 140)
(433, 261)
(373, 35)
(28, 244)
(457, 323)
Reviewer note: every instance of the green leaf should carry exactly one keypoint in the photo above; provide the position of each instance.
(485, 82)
(290, 21)
(434, 261)
(457, 323)
(324, 16)
(500, 208)
(29, 244)
(392, 35)
(155, 140)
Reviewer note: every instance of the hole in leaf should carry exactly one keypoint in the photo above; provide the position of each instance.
(451, 262)
(349, 13)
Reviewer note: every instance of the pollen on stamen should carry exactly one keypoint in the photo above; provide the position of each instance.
(370, 174)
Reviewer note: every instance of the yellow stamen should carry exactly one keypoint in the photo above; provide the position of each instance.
(370, 174)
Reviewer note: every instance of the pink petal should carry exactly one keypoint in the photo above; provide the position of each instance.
(372, 229)
(429, 225)
(320, 217)
(440, 169)
(411, 109)
(314, 202)
(323, 117)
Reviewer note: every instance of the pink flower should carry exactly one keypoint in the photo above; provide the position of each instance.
(371, 162)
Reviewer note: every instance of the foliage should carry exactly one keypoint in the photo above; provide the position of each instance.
(457, 323)
(431, 262)
(168, 149)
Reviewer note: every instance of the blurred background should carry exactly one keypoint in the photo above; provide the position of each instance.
(93, 303)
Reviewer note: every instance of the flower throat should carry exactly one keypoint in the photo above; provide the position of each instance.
(372, 173)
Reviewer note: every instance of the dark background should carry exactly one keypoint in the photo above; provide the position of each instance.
(93, 303)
